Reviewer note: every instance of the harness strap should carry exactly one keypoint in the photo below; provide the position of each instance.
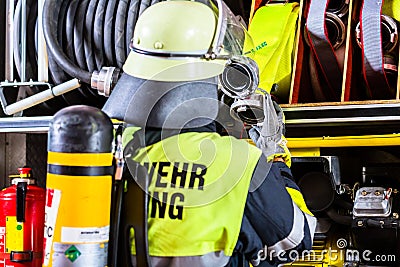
(322, 49)
(371, 39)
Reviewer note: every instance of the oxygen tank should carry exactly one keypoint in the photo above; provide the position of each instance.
(21, 222)
(78, 188)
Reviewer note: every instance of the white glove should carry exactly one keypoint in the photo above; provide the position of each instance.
(268, 135)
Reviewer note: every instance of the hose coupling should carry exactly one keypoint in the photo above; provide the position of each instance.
(390, 35)
(105, 80)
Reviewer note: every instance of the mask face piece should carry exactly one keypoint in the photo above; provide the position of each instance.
(239, 80)
(249, 110)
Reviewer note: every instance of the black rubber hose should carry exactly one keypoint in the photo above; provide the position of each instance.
(70, 49)
(82, 52)
(74, 37)
(51, 11)
(79, 35)
(89, 47)
(60, 23)
(57, 74)
(133, 14)
(98, 34)
(65, 38)
(109, 22)
(88, 35)
(30, 37)
(120, 25)
(84, 35)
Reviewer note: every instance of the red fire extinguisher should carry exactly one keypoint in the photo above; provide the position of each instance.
(22, 222)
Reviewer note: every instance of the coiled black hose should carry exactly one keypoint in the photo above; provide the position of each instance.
(82, 36)
(98, 35)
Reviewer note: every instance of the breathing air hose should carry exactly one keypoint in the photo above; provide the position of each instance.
(85, 39)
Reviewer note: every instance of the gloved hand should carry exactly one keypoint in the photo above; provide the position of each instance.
(268, 135)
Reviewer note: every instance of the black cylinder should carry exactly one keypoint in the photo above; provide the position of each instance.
(90, 125)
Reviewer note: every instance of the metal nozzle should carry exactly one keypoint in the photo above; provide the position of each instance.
(105, 80)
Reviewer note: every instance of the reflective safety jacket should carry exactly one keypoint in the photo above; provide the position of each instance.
(200, 184)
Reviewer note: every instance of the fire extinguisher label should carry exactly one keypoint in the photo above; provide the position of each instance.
(80, 255)
(85, 234)
(2, 244)
(14, 234)
(2, 239)
(53, 198)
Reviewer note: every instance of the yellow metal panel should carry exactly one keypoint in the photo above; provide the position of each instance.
(305, 152)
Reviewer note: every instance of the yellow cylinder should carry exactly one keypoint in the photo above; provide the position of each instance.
(78, 185)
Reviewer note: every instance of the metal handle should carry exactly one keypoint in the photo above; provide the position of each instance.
(36, 98)
(21, 197)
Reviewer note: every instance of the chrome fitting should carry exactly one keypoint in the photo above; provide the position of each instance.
(336, 30)
(239, 78)
(249, 110)
(390, 37)
(105, 80)
(339, 8)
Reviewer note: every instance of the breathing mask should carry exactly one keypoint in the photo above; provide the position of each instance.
(239, 80)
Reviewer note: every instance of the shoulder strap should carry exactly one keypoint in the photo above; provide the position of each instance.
(373, 70)
(135, 204)
(130, 209)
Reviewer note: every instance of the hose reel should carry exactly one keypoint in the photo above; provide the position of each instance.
(86, 39)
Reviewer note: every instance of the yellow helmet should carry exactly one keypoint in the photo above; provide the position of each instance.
(161, 44)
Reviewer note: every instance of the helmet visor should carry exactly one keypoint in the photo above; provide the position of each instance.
(231, 36)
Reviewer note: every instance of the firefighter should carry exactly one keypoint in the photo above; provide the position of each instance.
(215, 199)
